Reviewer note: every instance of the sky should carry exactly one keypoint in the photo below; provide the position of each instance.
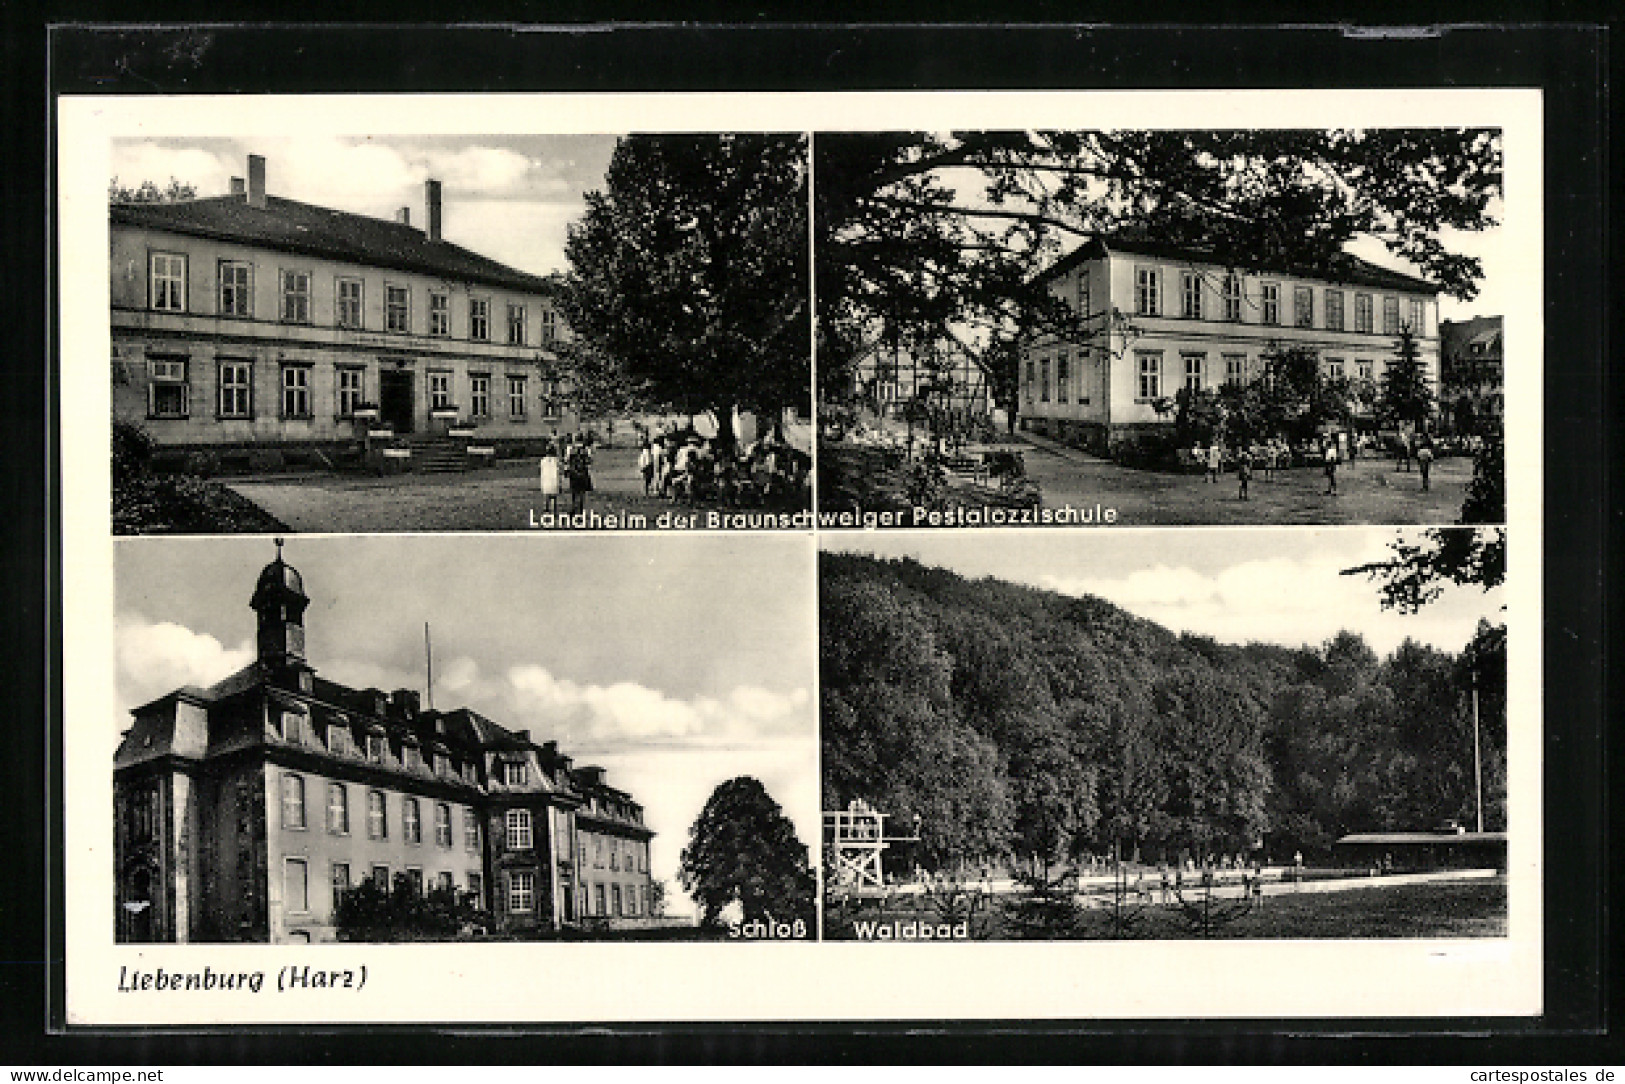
(1279, 586)
(676, 662)
(513, 197)
(506, 197)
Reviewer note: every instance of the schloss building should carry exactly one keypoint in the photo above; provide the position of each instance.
(244, 811)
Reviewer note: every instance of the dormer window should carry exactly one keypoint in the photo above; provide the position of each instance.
(411, 756)
(513, 773)
(375, 747)
(339, 741)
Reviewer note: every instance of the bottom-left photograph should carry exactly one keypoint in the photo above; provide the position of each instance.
(449, 738)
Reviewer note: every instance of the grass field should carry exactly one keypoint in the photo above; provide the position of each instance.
(1475, 908)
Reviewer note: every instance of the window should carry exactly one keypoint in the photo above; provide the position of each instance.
(1232, 297)
(1063, 376)
(513, 773)
(411, 821)
(341, 882)
(1334, 369)
(293, 801)
(143, 813)
(471, 830)
(1190, 295)
(397, 308)
(347, 302)
(1334, 310)
(414, 877)
(1147, 291)
(631, 900)
(550, 399)
(296, 391)
(1303, 307)
(479, 395)
(476, 888)
(614, 854)
(1193, 371)
(380, 877)
(295, 886)
(167, 275)
(1364, 369)
(1235, 368)
(516, 325)
(1043, 381)
(598, 852)
(296, 297)
(439, 391)
(236, 389)
(338, 738)
(516, 397)
(236, 293)
(439, 314)
(1272, 302)
(1390, 315)
(1362, 312)
(615, 899)
(338, 809)
(377, 816)
(598, 899)
(442, 824)
(443, 882)
(1032, 381)
(521, 891)
(479, 319)
(375, 748)
(519, 833)
(1083, 295)
(550, 324)
(1150, 367)
(1419, 316)
(410, 757)
(350, 390)
(442, 764)
(168, 393)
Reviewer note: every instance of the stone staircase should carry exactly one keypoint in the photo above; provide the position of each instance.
(436, 454)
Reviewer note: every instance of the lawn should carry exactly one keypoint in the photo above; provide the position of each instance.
(1475, 908)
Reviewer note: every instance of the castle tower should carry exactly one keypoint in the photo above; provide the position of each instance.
(279, 602)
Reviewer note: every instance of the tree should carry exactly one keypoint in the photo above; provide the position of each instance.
(689, 273)
(1405, 395)
(148, 192)
(943, 234)
(1417, 571)
(743, 848)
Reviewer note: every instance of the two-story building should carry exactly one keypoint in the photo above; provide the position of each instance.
(246, 810)
(257, 321)
(1159, 318)
(1473, 392)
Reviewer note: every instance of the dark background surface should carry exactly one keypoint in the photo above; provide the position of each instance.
(1582, 545)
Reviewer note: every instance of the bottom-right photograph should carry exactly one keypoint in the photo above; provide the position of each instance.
(1165, 734)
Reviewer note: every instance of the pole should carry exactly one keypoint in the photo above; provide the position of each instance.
(1478, 764)
(428, 664)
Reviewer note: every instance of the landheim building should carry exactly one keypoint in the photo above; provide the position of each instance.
(1159, 318)
(245, 811)
(249, 320)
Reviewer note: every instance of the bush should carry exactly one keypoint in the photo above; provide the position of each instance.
(368, 913)
(132, 451)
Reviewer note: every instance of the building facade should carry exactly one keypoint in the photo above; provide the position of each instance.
(1160, 318)
(251, 320)
(245, 811)
(1473, 391)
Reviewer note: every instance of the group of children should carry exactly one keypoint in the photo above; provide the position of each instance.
(690, 469)
(1275, 453)
(567, 462)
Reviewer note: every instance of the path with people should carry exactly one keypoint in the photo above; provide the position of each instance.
(1369, 491)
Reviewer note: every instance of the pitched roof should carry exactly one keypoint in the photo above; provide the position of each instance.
(290, 226)
(1350, 269)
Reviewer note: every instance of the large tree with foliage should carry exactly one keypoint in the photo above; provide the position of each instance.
(688, 273)
(1405, 395)
(941, 236)
(743, 849)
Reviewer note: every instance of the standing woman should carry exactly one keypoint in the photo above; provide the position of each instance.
(550, 475)
(578, 465)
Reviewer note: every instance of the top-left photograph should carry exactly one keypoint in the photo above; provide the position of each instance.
(477, 333)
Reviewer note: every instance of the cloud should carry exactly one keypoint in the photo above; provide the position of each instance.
(145, 160)
(156, 658)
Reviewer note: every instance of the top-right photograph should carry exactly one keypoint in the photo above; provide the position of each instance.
(1080, 328)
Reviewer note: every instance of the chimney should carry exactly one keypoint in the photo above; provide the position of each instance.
(239, 187)
(256, 181)
(431, 197)
(404, 216)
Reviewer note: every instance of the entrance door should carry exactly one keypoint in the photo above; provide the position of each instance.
(395, 399)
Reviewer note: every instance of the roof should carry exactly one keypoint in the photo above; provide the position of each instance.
(1350, 269)
(290, 226)
(1456, 334)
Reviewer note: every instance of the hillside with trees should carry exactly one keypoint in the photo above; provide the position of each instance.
(1022, 725)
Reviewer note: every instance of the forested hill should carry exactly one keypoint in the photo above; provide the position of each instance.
(1018, 722)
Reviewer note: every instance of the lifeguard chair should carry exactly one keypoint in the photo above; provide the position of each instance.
(857, 838)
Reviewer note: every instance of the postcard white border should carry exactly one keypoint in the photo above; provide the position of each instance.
(688, 982)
